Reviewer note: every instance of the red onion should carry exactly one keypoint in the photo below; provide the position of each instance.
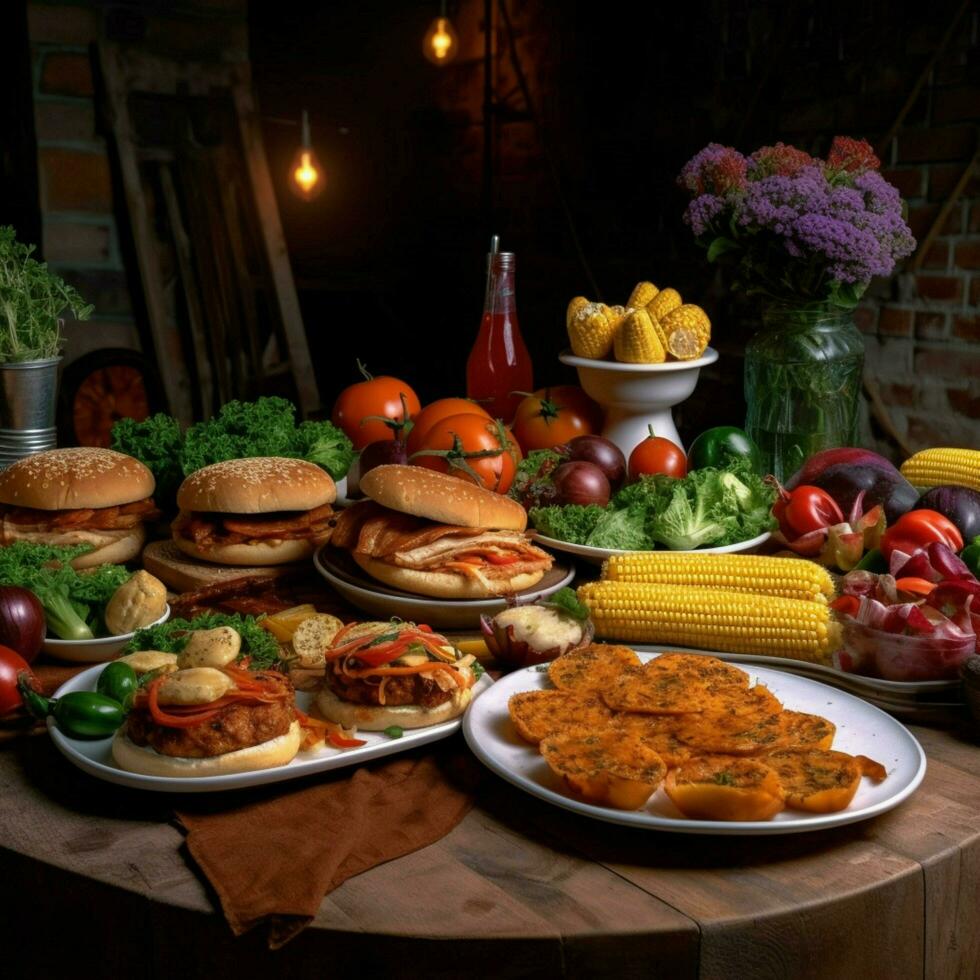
(602, 453)
(380, 453)
(581, 483)
(21, 621)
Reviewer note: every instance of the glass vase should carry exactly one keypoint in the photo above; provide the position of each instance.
(802, 383)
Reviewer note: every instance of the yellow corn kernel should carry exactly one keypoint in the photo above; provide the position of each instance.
(791, 578)
(712, 619)
(643, 293)
(636, 341)
(574, 308)
(591, 330)
(942, 467)
(690, 316)
(665, 301)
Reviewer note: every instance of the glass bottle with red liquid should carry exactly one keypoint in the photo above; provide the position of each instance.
(499, 364)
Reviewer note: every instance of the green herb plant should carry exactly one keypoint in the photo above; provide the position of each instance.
(33, 300)
(258, 644)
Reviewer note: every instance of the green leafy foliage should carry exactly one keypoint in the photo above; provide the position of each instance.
(157, 443)
(73, 601)
(32, 301)
(172, 636)
(568, 602)
(709, 507)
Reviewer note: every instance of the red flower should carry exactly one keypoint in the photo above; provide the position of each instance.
(851, 156)
(780, 160)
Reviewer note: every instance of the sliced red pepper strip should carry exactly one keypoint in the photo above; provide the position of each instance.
(914, 586)
(344, 743)
(848, 605)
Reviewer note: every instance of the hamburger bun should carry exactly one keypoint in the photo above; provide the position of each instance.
(439, 497)
(148, 762)
(443, 585)
(271, 552)
(124, 547)
(376, 718)
(261, 485)
(76, 478)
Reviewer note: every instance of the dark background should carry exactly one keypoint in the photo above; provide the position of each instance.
(389, 261)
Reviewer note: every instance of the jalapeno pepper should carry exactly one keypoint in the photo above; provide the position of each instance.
(918, 529)
(119, 682)
(80, 714)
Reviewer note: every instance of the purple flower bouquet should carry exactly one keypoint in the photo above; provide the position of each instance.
(807, 236)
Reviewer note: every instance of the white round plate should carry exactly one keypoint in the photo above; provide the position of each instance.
(598, 555)
(862, 729)
(381, 601)
(96, 651)
(94, 756)
(709, 356)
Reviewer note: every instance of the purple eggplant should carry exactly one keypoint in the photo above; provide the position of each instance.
(961, 505)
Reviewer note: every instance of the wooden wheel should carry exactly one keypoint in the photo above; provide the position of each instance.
(99, 389)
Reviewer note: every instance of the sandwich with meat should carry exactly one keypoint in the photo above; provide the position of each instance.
(425, 532)
(79, 496)
(201, 713)
(379, 675)
(268, 510)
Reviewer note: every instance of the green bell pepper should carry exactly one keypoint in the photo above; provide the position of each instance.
(718, 446)
(80, 714)
(971, 555)
(119, 682)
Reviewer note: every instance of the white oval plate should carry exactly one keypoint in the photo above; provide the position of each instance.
(378, 600)
(862, 729)
(96, 651)
(95, 756)
(598, 555)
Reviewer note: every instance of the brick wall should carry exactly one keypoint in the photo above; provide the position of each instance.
(81, 237)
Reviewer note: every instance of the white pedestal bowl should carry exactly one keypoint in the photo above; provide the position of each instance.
(635, 396)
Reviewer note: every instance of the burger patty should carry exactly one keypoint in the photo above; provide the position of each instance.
(237, 726)
(121, 517)
(407, 689)
(205, 528)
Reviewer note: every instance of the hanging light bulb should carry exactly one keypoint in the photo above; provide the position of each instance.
(306, 177)
(440, 43)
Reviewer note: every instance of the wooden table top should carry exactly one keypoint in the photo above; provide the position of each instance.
(519, 888)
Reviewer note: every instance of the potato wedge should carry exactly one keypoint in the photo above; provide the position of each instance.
(719, 787)
(216, 647)
(537, 714)
(655, 692)
(283, 624)
(817, 780)
(733, 734)
(195, 685)
(591, 668)
(144, 661)
(606, 768)
(875, 771)
(710, 672)
(312, 639)
(807, 731)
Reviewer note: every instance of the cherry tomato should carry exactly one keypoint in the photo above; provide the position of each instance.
(436, 411)
(552, 416)
(806, 509)
(657, 455)
(12, 665)
(471, 446)
(381, 397)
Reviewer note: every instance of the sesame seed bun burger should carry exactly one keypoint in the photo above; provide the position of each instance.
(432, 534)
(383, 674)
(209, 721)
(78, 496)
(268, 510)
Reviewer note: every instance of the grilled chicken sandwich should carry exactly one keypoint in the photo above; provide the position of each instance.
(425, 532)
(84, 495)
(395, 673)
(268, 510)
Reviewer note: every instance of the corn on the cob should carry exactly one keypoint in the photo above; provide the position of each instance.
(636, 340)
(665, 301)
(643, 293)
(941, 467)
(574, 308)
(690, 316)
(711, 619)
(591, 329)
(791, 578)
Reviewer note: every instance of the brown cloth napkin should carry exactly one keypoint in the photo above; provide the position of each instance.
(273, 859)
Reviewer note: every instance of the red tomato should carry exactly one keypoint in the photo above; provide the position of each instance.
(12, 665)
(806, 509)
(374, 397)
(657, 455)
(436, 411)
(552, 416)
(471, 442)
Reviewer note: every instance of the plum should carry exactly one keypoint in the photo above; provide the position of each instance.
(845, 472)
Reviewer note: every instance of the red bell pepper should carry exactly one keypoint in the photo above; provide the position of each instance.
(918, 529)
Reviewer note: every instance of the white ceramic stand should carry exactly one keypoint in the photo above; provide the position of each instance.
(638, 395)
